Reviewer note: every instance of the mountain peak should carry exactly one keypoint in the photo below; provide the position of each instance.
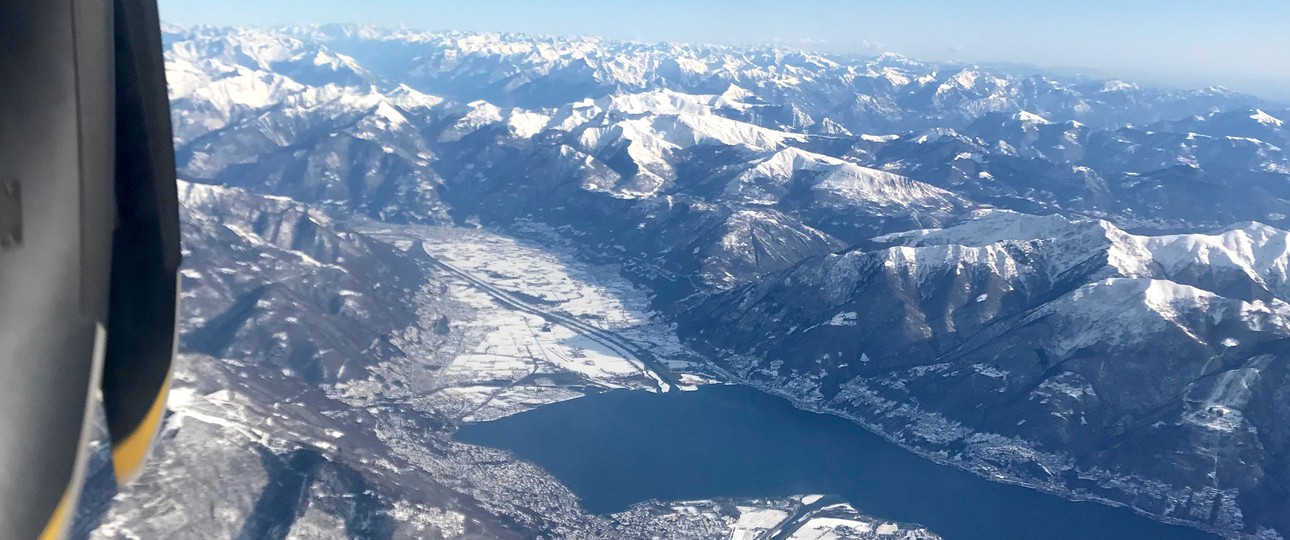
(410, 98)
(1266, 119)
(1026, 117)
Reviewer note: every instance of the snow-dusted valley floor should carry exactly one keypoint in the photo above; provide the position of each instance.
(528, 324)
(531, 325)
(905, 244)
(506, 325)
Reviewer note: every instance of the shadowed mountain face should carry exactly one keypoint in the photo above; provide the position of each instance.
(1077, 285)
(281, 308)
(1089, 360)
(665, 149)
(274, 282)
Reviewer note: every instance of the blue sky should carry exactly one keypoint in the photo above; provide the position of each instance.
(1241, 44)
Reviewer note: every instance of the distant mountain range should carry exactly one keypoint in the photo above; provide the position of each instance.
(1080, 285)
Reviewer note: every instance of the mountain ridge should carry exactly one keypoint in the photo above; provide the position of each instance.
(1075, 284)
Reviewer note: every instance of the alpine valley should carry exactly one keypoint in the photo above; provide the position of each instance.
(1074, 285)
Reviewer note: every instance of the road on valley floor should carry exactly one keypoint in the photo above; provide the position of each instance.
(791, 524)
(614, 341)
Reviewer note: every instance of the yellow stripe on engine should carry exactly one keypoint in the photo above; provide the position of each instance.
(128, 456)
(56, 528)
(58, 520)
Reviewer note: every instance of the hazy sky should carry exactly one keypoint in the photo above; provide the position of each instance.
(1241, 44)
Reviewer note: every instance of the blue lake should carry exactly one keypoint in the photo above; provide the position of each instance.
(620, 448)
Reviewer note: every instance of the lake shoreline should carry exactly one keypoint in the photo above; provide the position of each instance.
(1008, 480)
(917, 473)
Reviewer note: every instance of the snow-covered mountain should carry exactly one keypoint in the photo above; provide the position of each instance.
(1076, 284)
(649, 122)
(308, 401)
(1068, 354)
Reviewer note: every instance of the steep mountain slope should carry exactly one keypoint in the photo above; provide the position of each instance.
(633, 121)
(322, 316)
(1067, 354)
(831, 223)
(280, 305)
(309, 402)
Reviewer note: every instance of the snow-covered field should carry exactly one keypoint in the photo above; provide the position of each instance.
(510, 361)
(594, 295)
(842, 522)
(532, 325)
(753, 522)
(759, 519)
(543, 265)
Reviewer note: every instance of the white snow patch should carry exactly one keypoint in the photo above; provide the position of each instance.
(753, 521)
(843, 319)
(1266, 119)
(526, 124)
